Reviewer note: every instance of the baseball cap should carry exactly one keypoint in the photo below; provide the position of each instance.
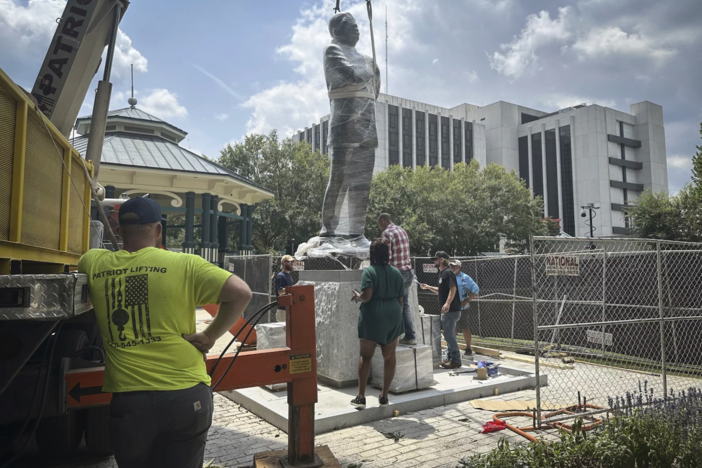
(287, 258)
(455, 263)
(442, 254)
(147, 211)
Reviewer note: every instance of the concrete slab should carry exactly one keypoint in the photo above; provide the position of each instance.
(334, 412)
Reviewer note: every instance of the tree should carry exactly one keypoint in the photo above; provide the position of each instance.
(697, 168)
(552, 226)
(295, 174)
(464, 211)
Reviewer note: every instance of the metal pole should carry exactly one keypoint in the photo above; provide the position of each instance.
(514, 296)
(536, 333)
(604, 297)
(113, 41)
(662, 316)
(592, 233)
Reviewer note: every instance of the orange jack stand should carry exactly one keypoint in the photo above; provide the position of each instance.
(295, 365)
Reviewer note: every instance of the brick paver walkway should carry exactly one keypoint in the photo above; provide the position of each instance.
(438, 437)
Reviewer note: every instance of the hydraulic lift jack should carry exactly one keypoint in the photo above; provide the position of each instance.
(295, 365)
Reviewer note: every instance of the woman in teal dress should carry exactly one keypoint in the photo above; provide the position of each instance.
(380, 321)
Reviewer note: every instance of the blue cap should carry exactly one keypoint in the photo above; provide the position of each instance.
(147, 211)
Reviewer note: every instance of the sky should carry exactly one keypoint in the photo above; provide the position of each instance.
(226, 68)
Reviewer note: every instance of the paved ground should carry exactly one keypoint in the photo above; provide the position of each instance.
(439, 437)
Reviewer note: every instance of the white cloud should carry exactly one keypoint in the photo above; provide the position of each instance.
(600, 42)
(222, 117)
(471, 76)
(680, 162)
(30, 28)
(520, 54)
(435, 61)
(561, 101)
(221, 84)
(162, 104)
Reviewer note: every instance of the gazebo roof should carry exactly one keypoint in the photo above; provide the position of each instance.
(152, 152)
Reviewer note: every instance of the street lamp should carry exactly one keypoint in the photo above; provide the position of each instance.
(591, 207)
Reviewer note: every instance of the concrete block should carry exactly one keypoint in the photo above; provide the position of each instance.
(431, 336)
(414, 370)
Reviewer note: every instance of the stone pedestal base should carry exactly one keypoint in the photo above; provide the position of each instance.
(337, 324)
(431, 336)
(271, 336)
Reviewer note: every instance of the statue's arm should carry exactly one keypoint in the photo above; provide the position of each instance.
(334, 59)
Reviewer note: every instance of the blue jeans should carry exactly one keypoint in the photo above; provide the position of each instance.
(407, 277)
(448, 323)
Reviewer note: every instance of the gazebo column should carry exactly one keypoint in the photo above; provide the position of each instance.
(164, 223)
(189, 244)
(243, 228)
(222, 238)
(205, 237)
(249, 228)
(214, 245)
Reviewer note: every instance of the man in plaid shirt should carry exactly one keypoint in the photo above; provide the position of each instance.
(397, 238)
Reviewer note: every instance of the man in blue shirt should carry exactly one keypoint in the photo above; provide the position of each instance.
(283, 280)
(467, 291)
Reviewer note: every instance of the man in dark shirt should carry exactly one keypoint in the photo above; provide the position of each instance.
(450, 307)
(282, 280)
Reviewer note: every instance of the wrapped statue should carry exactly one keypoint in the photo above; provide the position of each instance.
(353, 83)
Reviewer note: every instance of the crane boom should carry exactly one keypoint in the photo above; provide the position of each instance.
(73, 59)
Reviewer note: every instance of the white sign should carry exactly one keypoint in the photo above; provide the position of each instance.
(429, 268)
(562, 265)
(596, 337)
(231, 267)
(298, 265)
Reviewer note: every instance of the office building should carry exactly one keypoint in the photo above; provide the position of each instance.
(573, 157)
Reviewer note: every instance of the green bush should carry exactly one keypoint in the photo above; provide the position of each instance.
(645, 432)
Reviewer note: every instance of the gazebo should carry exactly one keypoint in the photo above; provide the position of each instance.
(141, 155)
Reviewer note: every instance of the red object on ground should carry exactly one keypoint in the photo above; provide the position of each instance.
(241, 323)
(494, 426)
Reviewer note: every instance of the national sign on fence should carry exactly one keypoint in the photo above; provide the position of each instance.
(562, 265)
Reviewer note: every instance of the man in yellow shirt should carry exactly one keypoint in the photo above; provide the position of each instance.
(144, 300)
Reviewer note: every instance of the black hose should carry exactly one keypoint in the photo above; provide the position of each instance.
(43, 399)
(265, 308)
(231, 342)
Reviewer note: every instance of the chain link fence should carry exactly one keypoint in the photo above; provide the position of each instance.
(254, 270)
(628, 311)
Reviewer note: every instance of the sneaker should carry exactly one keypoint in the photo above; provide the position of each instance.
(383, 401)
(451, 365)
(408, 342)
(468, 353)
(359, 402)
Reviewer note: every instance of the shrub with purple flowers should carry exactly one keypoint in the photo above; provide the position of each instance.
(641, 431)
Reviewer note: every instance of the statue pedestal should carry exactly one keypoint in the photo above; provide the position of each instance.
(337, 324)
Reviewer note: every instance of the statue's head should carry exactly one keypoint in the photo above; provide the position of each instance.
(344, 29)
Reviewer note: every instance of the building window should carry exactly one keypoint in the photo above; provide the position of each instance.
(524, 159)
(406, 137)
(445, 144)
(457, 141)
(301, 137)
(567, 181)
(536, 164)
(526, 118)
(469, 142)
(309, 136)
(393, 136)
(551, 174)
(433, 141)
(316, 137)
(325, 137)
(420, 137)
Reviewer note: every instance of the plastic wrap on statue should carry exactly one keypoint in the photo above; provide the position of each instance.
(353, 82)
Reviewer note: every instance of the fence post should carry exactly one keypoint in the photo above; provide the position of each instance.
(477, 281)
(604, 297)
(536, 333)
(514, 298)
(662, 315)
